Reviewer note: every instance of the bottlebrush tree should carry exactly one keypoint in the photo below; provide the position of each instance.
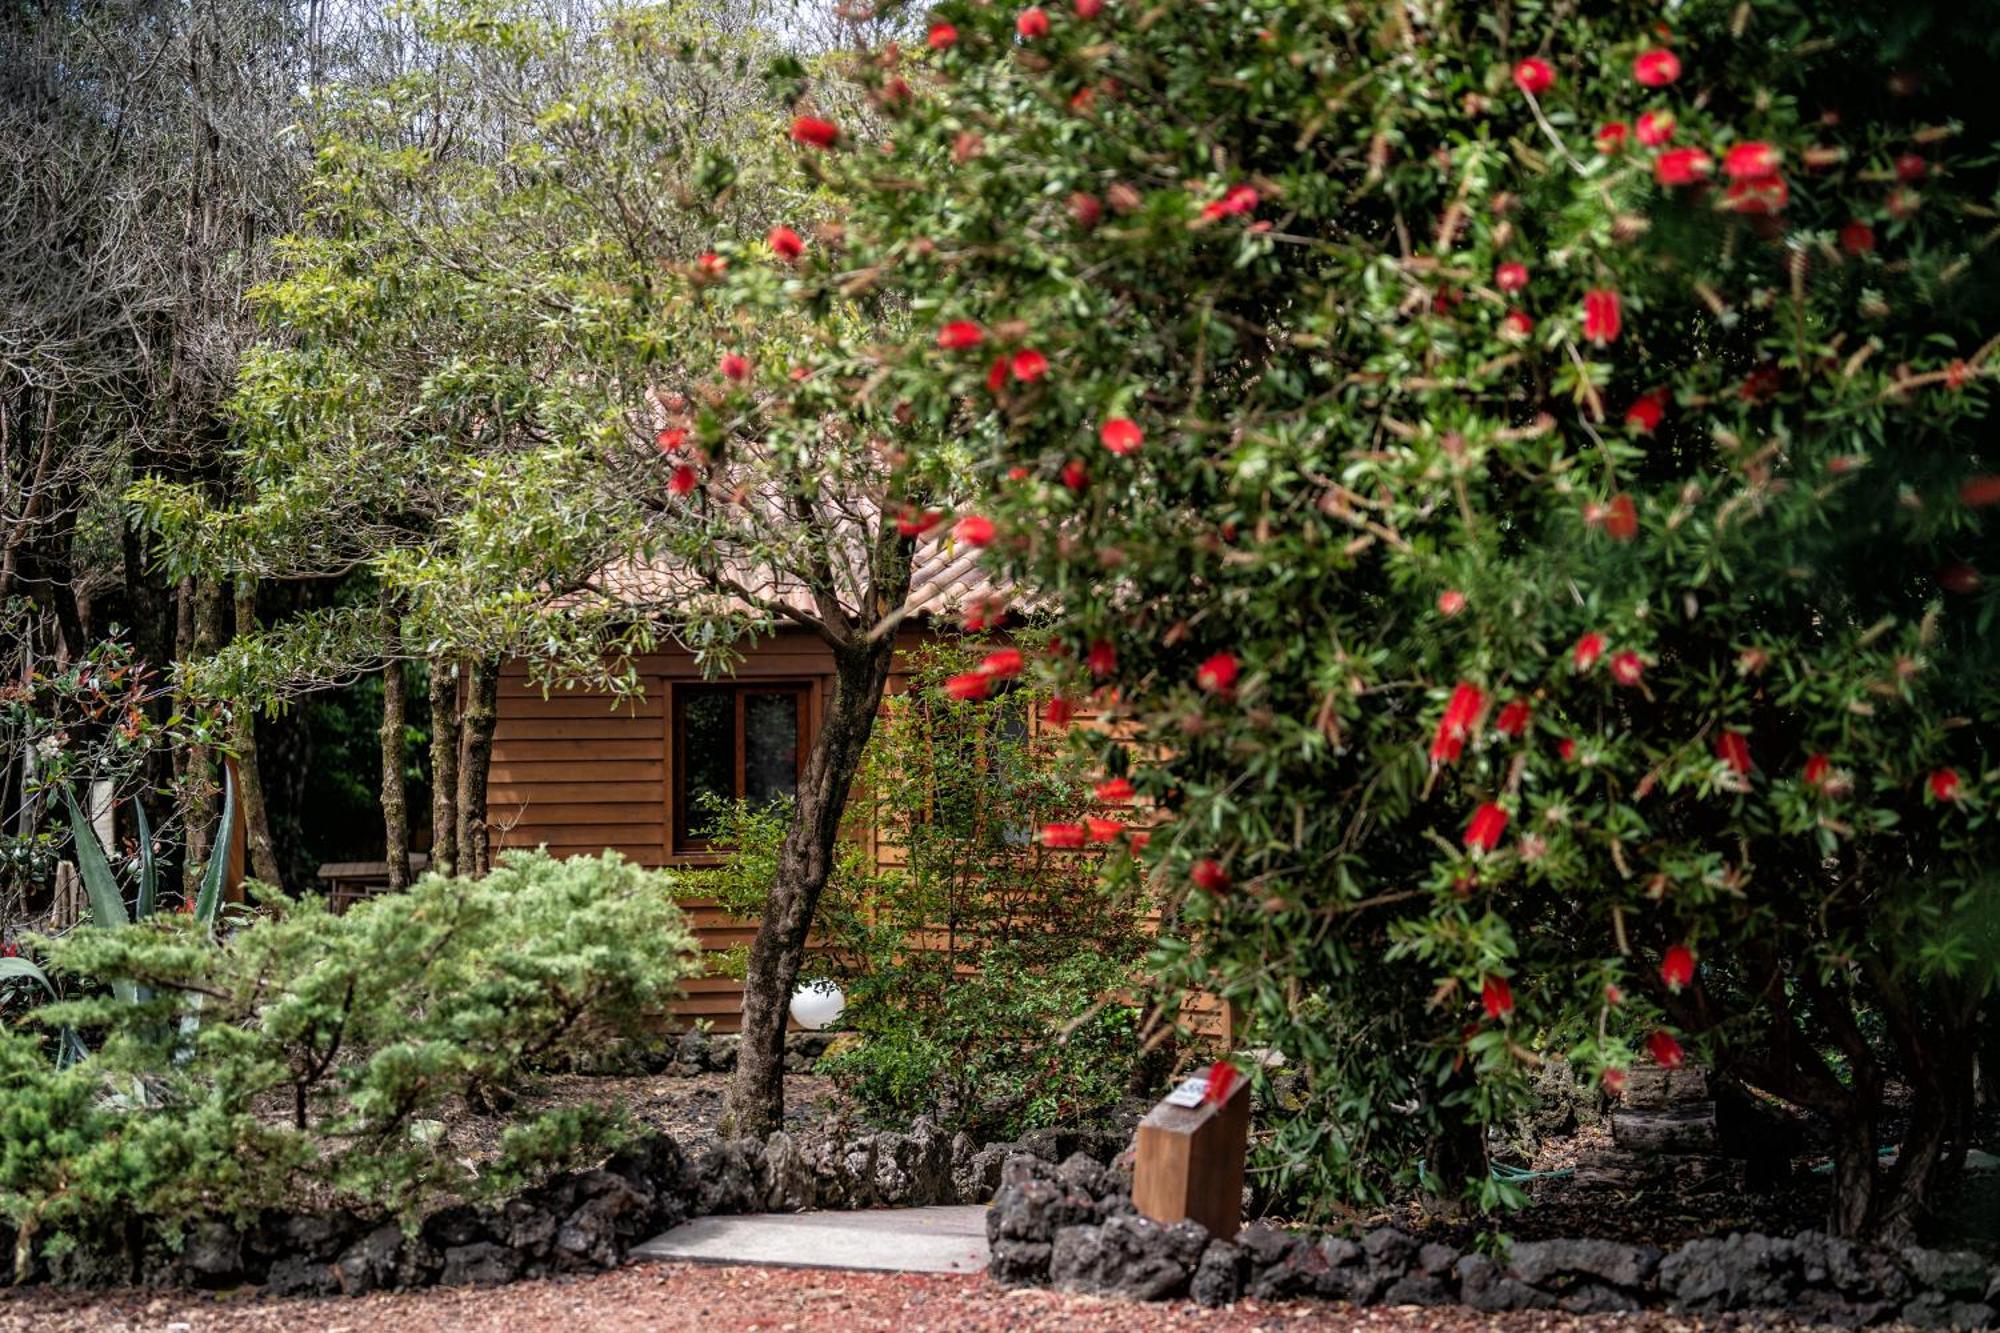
(1524, 473)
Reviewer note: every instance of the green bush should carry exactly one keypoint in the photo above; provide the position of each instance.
(307, 1056)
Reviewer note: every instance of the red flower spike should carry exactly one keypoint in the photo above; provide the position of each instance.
(1677, 968)
(1733, 749)
(1517, 325)
(1032, 23)
(1075, 476)
(1221, 1082)
(1627, 668)
(1764, 196)
(1089, 9)
(941, 36)
(786, 244)
(1483, 830)
(912, 524)
(683, 480)
(1682, 166)
(1566, 750)
(1656, 69)
(1029, 365)
(813, 131)
(1121, 435)
(1064, 837)
(975, 530)
(1102, 659)
(1514, 718)
(968, 686)
(1621, 518)
(712, 264)
(1911, 167)
(1612, 995)
(1750, 161)
(1217, 675)
(1137, 842)
(1959, 577)
(1611, 138)
(1646, 413)
(1209, 876)
(1103, 830)
(734, 368)
(1058, 711)
(1086, 210)
(1978, 492)
(1666, 1052)
(1497, 998)
(996, 375)
(1603, 315)
(1943, 784)
(1002, 663)
(1614, 1082)
(1655, 128)
(1588, 649)
(1857, 238)
(1534, 76)
(1816, 769)
(1511, 276)
(1450, 602)
(1115, 791)
(671, 440)
(960, 334)
(1459, 721)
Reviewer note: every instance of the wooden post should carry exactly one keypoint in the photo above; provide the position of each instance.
(1190, 1158)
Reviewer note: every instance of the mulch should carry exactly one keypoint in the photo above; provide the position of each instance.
(689, 1296)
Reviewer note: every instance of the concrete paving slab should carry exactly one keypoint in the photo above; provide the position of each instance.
(884, 1240)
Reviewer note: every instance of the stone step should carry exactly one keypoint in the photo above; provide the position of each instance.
(1655, 1088)
(1684, 1129)
(1615, 1167)
(890, 1240)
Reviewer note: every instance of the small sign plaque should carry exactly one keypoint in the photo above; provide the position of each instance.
(1190, 1093)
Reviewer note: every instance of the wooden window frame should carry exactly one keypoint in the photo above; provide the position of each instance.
(679, 844)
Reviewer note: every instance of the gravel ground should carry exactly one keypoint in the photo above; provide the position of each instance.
(685, 1296)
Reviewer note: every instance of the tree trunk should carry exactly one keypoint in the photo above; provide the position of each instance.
(1853, 1172)
(756, 1102)
(249, 777)
(444, 765)
(482, 697)
(199, 792)
(395, 792)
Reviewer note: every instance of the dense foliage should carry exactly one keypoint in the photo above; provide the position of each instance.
(1520, 472)
(309, 1057)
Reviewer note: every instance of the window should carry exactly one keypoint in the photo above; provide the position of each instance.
(733, 742)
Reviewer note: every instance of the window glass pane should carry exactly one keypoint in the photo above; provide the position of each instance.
(770, 746)
(708, 754)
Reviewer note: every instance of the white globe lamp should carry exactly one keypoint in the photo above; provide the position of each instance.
(817, 1005)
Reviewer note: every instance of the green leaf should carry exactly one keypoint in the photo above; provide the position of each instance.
(149, 875)
(209, 900)
(107, 902)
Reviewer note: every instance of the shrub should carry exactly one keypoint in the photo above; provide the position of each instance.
(318, 1056)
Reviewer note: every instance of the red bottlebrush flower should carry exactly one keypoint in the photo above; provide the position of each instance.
(1217, 675)
(1666, 1052)
(1115, 791)
(1816, 769)
(1121, 435)
(996, 374)
(1612, 995)
(1627, 668)
(1029, 365)
(1075, 476)
(1483, 830)
(683, 480)
(968, 685)
(1763, 196)
(1621, 518)
(1911, 167)
(1002, 663)
(1222, 1080)
(1450, 602)
(1082, 100)
(1943, 784)
(1614, 1082)
(1103, 830)
(960, 334)
(671, 440)
(1978, 492)
(1603, 315)
(9, 949)
(1677, 968)
(1588, 649)
(814, 131)
(975, 530)
(1058, 711)
(1733, 749)
(1085, 210)
(1517, 325)
(1750, 161)
(1956, 374)
(1655, 128)
(1209, 876)
(1682, 166)
(1514, 718)
(786, 244)
(1102, 659)
(1032, 23)
(1089, 9)
(1239, 199)
(1067, 837)
(1611, 138)
(1857, 238)
(1646, 413)
(734, 367)
(1759, 384)
(1497, 998)
(1657, 68)
(941, 36)
(712, 264)
(1566, 750)
(1459, 720)
(1534, 76)
(1510, 276)
(1903, 203)
(1138, 840)
(910, 523)
(1959, 577)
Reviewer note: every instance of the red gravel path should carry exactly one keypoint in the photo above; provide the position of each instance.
(685, 1296)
